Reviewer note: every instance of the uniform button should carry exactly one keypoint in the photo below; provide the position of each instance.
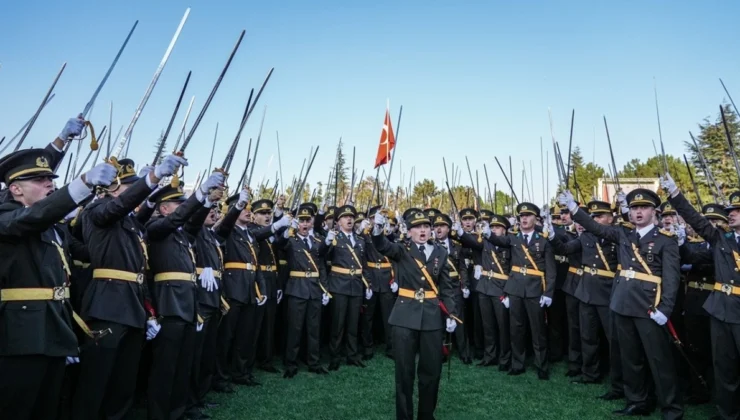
(23, 307)
(633, 259)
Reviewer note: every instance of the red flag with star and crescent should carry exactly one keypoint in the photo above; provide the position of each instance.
(387, 142)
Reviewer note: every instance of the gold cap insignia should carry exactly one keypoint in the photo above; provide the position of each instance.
(468, 213)
(594, 207)
(524, 208)
(710, 210)
(668, 207)
(638, 197)
(129, 168)
(439, 219)
(736, 199)
(494, 219)
(41, 162)
(264, 205)
(418, 216)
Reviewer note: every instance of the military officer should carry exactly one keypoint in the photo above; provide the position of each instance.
(425, 305)
(172, 264)
(642, 301)
(37, 336)
(117, 297)
(557, 314)
(529, 289)
(347, 284)
(305, 291)
(468, 218)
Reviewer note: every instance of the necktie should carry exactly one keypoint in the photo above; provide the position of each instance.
(305, 241)
(444, 244)
(526, 239)
(738, 241)
(423, 254)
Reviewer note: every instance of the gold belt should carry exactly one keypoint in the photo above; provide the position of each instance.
(591, 271)
(283, 262)
(494, 275)
(174, 276)
(378, 266)
(419, 295)
(107, 273)
(239, 266)
(306, 274)
(526, 271)
(701, 285)
(216, 273)
(34, 293)
(269, 268)
(80, 264)
(727, 289)
(350, 271)
(561, 258)
(631, 274)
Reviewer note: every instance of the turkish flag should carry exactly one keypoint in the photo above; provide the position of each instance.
(387, 142)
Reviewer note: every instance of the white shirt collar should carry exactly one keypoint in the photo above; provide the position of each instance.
(644, 231)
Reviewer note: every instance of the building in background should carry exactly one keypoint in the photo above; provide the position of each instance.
(606, 188)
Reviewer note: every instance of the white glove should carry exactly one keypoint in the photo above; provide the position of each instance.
(547, 228)
(658, 317)
(364, 225)
(545, 301)
(680, 231)
(566, 199)
(243, 199)
(208, 280)
(368, 294)
(145, 170)
(394, 287)
(73, 128)
(451, 325)
(669, 185)
(279, 296)
(486, 230)
(402, 228)
(622, 199)
(199, 327)
(687, 267)
(324, 299)
(281, 223)
(330, 237)
(466, 293)
(71, 215)
(545, 213)
(505, 302)
(214, 181)
(261, 302)
(512, 220)
(457, 227)
(379, 219)
(477, 271)
(72, 360)
(152, 329)
(101, 174)
(169, 166)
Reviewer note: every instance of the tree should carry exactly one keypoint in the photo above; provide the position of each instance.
(424, 192)
(339, 178)
(584, 178)
(653, 167)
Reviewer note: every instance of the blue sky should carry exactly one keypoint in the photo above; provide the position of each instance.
(475, 78)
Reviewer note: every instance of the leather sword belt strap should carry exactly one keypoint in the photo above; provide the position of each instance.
(304, 274)
(419, 295)
(494, 275)
(283, 262)
(174, 276)
(725, 288)
(34, 293)
(378, 266)
(701, 285)
(107, 273)
(526, 271)
(592, 271)
(269, 268)
(239, 266)
(561, 258)
(216, 273)
(350, 271)
(631, 274)
(80, 264)
(454, 275)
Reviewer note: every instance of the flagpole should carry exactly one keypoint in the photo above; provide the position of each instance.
(393, 154)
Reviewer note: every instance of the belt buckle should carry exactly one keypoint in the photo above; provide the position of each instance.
(351, 271)
(377, 266)
(193, 276)
(727, 289)
(419, 295)
(308, 274)
(268, 268)
(630, 274)
(579, 271)
(523, 271)
(140, 278)
(593, 271)
(700, 285)
(58, 293)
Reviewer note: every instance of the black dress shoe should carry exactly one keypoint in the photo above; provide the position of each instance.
(543, 375)
(334, 366)
(290, 372)
(248, 381)
(269, 369)
(611, 396)
(634, 410)
(697, 399)
(467, 360)
(356, 363)
(504, 368)
(572, 373)
(208, 404)
(389, 355)
(515, 372)
(367, 356)
(223, 388)
(485, 363)
(318, 370)
(584, 381)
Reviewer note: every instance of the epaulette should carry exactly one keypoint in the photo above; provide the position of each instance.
(666, 232)
(544, 234)
(628, 225)
(696, 239)
(726, 228)
(455, 242)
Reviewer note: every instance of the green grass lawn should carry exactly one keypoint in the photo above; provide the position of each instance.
(470, 393)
